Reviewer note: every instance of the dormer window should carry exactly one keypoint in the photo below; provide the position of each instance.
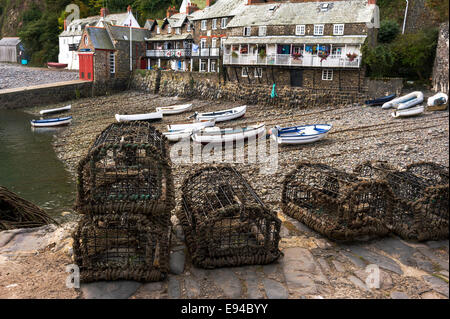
(169, 29)
(223, 23)
(300, 29)
(262, 31)
(79, 28)
(86, 40)
(338, 29)
(178, 30)
(188, 27)
(247, 31)
(318, 29)
(204, 24)
(158, 30)
(214, 24)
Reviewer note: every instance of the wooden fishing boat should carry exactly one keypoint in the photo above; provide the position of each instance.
(174, 109)
(380, 101)
(438, 102)
(57, 110)
(177, 132)
(413, 111)
(139, 117)
(217, 135)
(300, 134)
(405, 101)
(52, 122)
(56, 65)
(221, 116)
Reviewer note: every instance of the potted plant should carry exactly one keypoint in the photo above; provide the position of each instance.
(323, 55)
(234, 54)
(352, 56)
(262, 54)
(297, 55)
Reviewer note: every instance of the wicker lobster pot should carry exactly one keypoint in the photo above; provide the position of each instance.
(121, 247)
(335, 203)
(420, 207)
(127, 169)
(224, 221)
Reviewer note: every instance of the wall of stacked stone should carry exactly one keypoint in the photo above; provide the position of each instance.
(211, 86)
(441, 64)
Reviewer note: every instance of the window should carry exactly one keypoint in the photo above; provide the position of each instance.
(202, 66)
(169, 29)
(214, 43)
(214, 24)
(318, 29)
(247, 31)
(327, 75)
(338, 29)
(79, 28)
(86, 40)
(158, 30)
(300, 29)
(223, 23)
(262, 31)
(337, 51)
(188, 27)
(203, 24)
(213, 66)
(203, 43)
(258, 72)
(244, 73)
(112, 63)
(178, 31)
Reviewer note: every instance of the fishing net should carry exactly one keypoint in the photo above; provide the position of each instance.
(127, 169)
(420, 204)
(335, 203)
(121, 247)
(16, 212)
(224, 221)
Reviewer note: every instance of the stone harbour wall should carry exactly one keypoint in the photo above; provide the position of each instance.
(211, 86)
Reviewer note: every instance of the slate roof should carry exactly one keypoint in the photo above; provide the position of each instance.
(297, 40)
(10, 41)
(100, 38)
(221, 8)
(170, 37)
(350, 11)
(118, 33)
(176, 21)
(114, 18)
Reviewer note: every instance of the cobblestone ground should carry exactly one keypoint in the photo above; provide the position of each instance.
(15, 76)
(312, 266)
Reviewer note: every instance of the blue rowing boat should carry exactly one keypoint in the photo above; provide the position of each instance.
(52, 122)
(300, 134)
(380, 101)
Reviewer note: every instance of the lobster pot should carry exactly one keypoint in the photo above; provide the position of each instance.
(420, 204)
(119, 247)
(336, 204)
(224, 221)
(126, 170)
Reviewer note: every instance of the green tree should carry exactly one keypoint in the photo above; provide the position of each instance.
(389, 29)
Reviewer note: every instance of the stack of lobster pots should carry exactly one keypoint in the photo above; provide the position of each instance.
(125, 193)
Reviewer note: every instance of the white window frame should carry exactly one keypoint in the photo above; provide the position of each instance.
(214, 24)
(177, 30)
(327, 75)
(247, 34)
(318, 29)
(204, 25)
(188, 27)
(158, 30)
(201, 63)
(244, 73)
(223, 23)
(213, 42)
(169, 29)
(213, 66)
(338, 29)
(262, 31)
(112, 63)
(258, 72)
(202, 43)
(300, 29)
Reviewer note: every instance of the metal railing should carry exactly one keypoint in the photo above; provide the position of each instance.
(206, 52)
(169, 53)
(289, 60)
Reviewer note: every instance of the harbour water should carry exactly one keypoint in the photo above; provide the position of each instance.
(29, 165)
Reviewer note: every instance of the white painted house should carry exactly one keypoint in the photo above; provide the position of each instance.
(70, 38)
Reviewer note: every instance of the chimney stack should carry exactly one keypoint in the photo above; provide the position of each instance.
(104, 12)
(129, 8)
(191, 7)
(171, 11)
(209, 2)
(372, 2)
(65, 25)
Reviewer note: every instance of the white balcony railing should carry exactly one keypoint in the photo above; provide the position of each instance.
(171, 53)
(206, 52)
(289, 60)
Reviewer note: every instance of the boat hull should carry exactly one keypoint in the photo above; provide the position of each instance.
(208, 137)
(380, 101)
(409, 112)
(176, 109)
(55, 65)
(191, 126)
(404, 102)
(438, 102)
(58, 110)
(222, 116)
(313, 133)
(139, 117)
(51, 122)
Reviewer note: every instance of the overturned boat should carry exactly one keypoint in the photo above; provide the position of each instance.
(381, 100)
(177, 132)
(174, 109)
(404, 102)
(57, 110)
(300, 134)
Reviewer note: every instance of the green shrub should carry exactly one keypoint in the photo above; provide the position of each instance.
(389, 29)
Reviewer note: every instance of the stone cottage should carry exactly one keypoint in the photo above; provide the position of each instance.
(70, 38)
(105, 52)
(311, 44)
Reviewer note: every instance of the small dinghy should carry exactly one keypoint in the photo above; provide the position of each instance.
(56, 65)
(221, 116)
(177, 132)
(300, 134)
(58, 110)
(438, 102)
(174, 109)
(52, 122)
(218, 136)
(413, 111)
(380, 101)
(139, 117)
(404, 102)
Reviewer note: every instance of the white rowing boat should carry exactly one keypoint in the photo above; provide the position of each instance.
(413, 111)
(177, 132)
(217, 135)
(221, 116)
(57, 110)
(139, 117)
(52, 122)
(300, 134)
(174, 109)
(405, 101)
